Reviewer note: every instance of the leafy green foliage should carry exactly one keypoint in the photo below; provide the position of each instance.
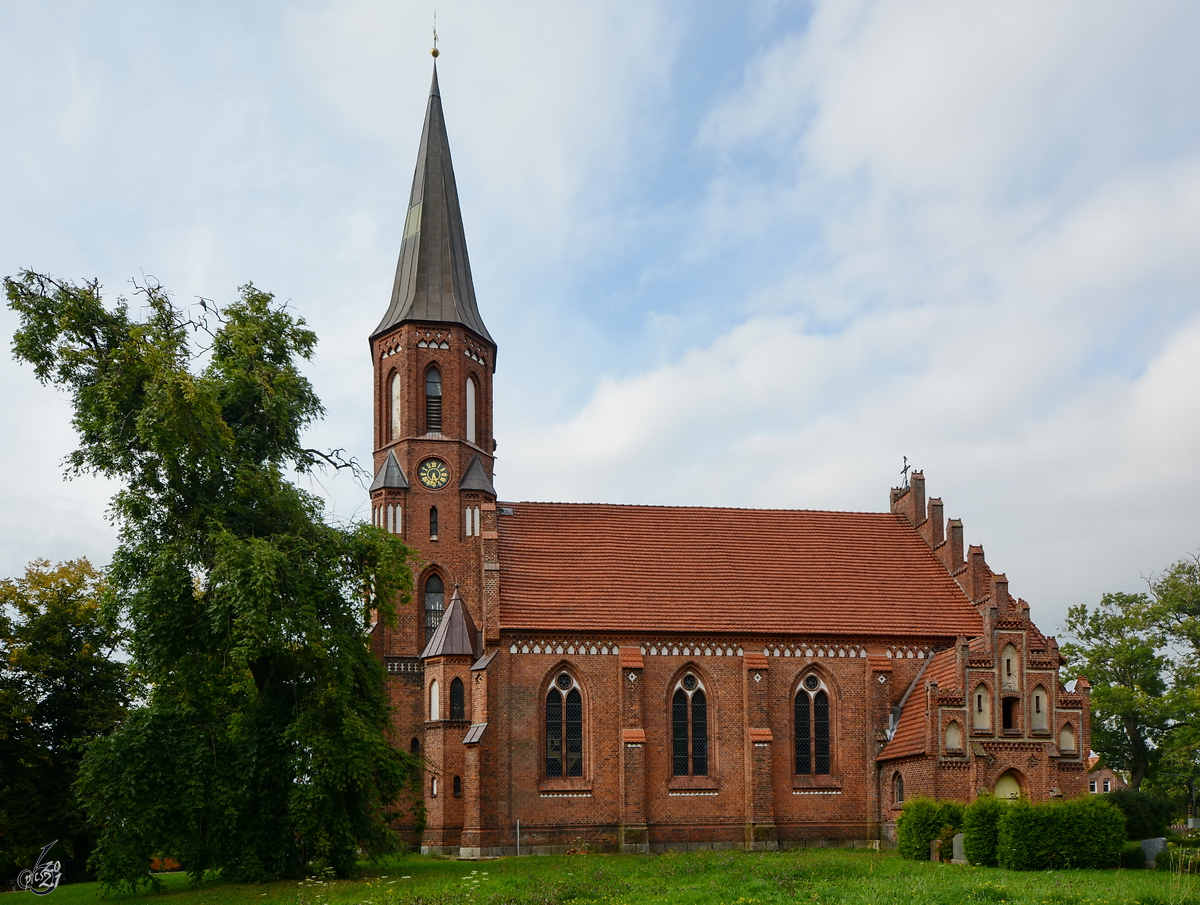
(1086, 832)
(1132, 856)
(1146, 815)
(1141, 653)
(60, 685)
(981, 830)
(923, 820)
(262, 748)
(1118, 650)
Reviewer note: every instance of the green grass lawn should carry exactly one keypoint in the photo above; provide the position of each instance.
(704, 878)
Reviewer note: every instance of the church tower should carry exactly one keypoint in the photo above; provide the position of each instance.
(433, 365)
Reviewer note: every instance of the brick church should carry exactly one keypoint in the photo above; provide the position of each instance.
(640, 678)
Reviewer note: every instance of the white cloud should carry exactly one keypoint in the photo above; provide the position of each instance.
(958, 233)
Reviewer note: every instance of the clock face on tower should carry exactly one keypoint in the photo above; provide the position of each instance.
(433, 473)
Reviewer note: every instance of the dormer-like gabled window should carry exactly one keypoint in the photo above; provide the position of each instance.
(433, 401)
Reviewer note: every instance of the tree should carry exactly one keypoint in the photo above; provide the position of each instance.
(262, 747)
(1117, 648)
(1141, 653)
(60, 685)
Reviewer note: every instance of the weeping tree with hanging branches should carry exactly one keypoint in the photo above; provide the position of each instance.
(261, 747)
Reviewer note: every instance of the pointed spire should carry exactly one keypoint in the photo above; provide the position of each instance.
(433, 276)
(390, 475)
(456, 634)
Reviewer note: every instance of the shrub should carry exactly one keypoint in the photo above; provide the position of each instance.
(981, 824)
(1083, 832)
(922, 821)
(1146, 815)
(1132, 856)
(1178, 859)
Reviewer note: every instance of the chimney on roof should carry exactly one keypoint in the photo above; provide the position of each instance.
(918, 498)
(952, 553)
(977, 573)
(933, 528)
(1000, 598)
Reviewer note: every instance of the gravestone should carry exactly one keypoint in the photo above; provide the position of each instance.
(1151, 848)
(960, 856)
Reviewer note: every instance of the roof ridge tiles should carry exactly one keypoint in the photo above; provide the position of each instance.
(889, 516)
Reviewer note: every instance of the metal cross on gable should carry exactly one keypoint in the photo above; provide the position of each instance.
(904, 472)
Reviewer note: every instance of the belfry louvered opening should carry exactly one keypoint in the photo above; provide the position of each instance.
(433, 401)
(812, 727)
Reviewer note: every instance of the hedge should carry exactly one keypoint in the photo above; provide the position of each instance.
(1132, 856)
(1146, 815)
(921, 821)
(1086, 832)
(981, 829)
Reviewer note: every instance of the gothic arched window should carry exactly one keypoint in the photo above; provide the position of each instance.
(689, 727)
(433, 401)
(457, 703)
(435, 701)
(395, 407)
(471, 394)
(981, 709)
(1041, 706)
(564, 728)
(812, 727)
(435, 604)
(433, 523)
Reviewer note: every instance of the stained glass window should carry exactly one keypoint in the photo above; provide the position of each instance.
(812, 728)
(689, 728)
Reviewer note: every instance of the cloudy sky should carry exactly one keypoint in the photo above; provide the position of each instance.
(744, 254)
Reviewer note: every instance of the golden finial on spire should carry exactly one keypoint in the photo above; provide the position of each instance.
(434, 53)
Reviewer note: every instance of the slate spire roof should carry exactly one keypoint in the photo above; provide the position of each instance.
(433, 276)
(456, 634)
(476, 477)
(390, 474)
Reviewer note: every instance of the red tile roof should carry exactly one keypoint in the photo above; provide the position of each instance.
(601, 567)
(909, 738)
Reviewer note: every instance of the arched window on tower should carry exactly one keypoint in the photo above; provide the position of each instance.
(395, 407)
(433, 401)
(457, 702)
(433, 523)
(812, 727)
(435, 701)
(689, 727)
(435, 603)
(471, 394)
(564, 728)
